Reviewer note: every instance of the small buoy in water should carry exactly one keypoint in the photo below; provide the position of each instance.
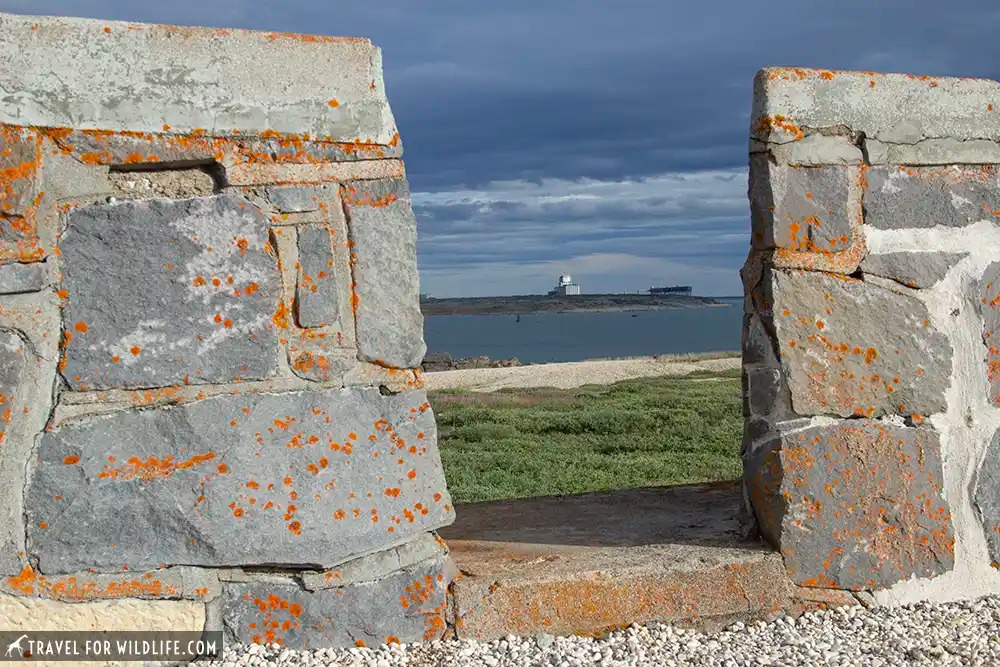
(635, 314)
(518, 317)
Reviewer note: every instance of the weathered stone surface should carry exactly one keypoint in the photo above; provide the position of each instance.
(990, 310)
(377, 565)
(406, 606)
(817, 150)
(763, 385)
(317, 301)
(288, 199)
(757, 348)
(386, 298)
(13, 358)
(987, 497)
(922, 197)
(35, 614)
(175, 583)
(919, 270)
(111, 75)
(892, 108)
(803, 208)
(933, 152)
(19, 278)
(853, 348)
(853, 505)
(20, 162)
(165, 292)
(360, 169)
(304, 478)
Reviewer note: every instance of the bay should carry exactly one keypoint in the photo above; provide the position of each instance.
(554, 337)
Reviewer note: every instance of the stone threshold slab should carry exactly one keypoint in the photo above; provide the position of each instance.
(590, 563)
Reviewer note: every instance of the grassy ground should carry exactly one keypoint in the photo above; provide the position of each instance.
(646, 432)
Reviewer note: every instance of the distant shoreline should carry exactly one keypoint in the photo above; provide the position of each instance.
(584, 303)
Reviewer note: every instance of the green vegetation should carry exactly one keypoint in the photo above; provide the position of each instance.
(645, 432)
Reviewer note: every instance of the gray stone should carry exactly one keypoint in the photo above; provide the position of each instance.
(922, 197)
(892, 108)
(802, 208)
(934, 152)
(919, 270)
(167, 292)
(309, 479)
(386, 298)
(19, 278)
(406, 606)
(853, 505)
(852, 348)
(316, 291)
(756, 343)
(14, 355)
(763, 385)
(818, 150)
(987, 497)
(111, 75)
(377, 565)
(291, 199)
(990, 310)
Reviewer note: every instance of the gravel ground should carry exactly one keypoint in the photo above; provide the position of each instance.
(959, 633)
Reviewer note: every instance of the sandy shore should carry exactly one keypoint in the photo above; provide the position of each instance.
(578, 373)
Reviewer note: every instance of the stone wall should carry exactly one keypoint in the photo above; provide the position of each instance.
(871, 374)
(209, 340)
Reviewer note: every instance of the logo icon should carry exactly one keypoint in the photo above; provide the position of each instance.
(16, 645)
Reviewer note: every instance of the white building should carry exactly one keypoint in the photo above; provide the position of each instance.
(566, 286)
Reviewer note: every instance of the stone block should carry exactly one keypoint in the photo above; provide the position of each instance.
(990, 311)
(791, 103)
(289, 199)
(20, 195)
(20, 278)
(169, 292)
(817, 150)
(919, 270)
(304, 479)
(757, 347)
(112, 76)
(923, 197)
(853, 505)
(317, 300)
(377, 565)
(763, 386)
(386, 292)
(987, 498)
(803, 208)
(175, 583)
(35, 614)
(851, 348)
(933, 152)
(14, 356)
(405, 606)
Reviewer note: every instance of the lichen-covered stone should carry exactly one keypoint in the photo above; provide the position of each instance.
(851, 348)
(922, 197)
(919, 270)
(853, 505)
(386, 294)
(294, 199)
(990, 310)
(987, 497)
(308, 479)
(405, 606)
(166, 292)
(317, 301)
(20, 278)
(174, 583)
(810, 209)
(14, 356)
(20, 162)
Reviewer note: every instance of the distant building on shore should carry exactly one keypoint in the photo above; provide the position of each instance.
(676, 289)
(565, 287)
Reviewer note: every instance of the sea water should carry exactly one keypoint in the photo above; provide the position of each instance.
(549, 337)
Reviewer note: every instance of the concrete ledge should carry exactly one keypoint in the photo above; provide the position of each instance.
(589, 563)
(111, 75)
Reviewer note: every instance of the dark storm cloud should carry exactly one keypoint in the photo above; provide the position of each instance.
(516, 115)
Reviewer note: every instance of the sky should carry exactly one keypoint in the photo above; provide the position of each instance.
(607, 140)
